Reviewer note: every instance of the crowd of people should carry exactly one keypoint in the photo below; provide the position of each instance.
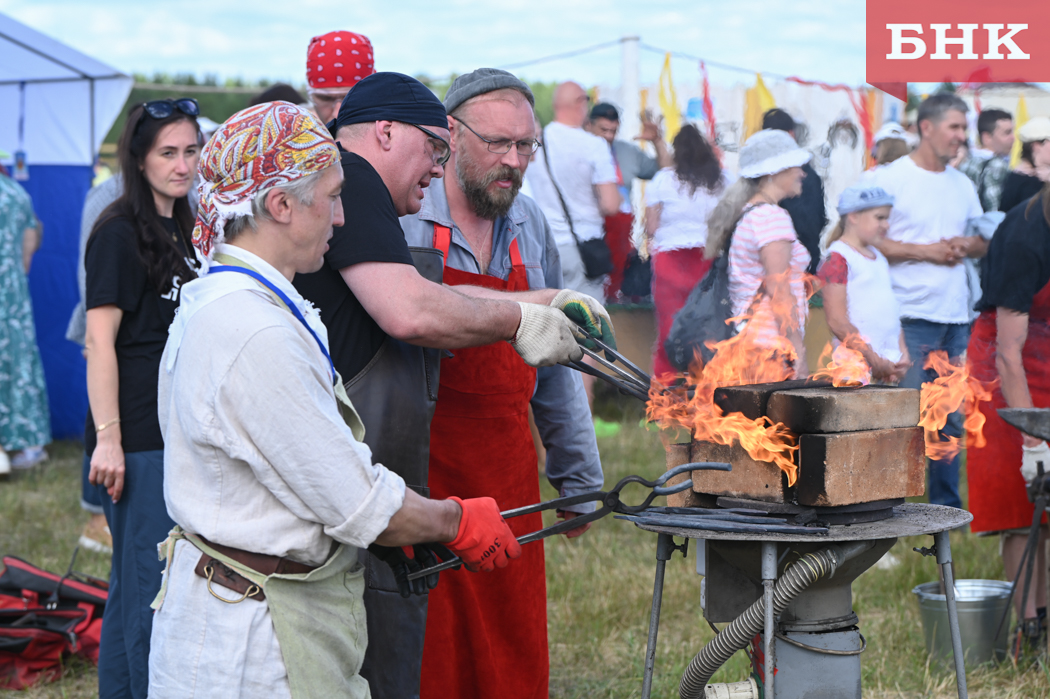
(308, 280)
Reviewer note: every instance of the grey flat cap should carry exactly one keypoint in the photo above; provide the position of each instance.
(481, 81)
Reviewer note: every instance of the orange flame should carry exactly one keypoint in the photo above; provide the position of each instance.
(953, 389)
(743, 359)
(844, 365)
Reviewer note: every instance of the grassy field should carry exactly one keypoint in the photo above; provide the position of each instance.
(599, 592)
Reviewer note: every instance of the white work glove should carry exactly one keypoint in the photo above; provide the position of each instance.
(1029, 457)
(544, 337)
(586, 312)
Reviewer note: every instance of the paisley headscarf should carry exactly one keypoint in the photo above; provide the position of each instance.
(268, 145)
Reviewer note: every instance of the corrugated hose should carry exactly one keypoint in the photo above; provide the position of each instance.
(800, 575)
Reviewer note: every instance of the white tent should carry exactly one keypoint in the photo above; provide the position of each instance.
(56, 106)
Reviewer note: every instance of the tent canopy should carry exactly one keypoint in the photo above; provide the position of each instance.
(56, 104)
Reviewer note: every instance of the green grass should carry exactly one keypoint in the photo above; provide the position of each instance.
(599, 590)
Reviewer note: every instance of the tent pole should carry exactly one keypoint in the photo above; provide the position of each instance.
(91, 137)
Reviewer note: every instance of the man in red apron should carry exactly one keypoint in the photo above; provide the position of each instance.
(488, 637)
(388, 317)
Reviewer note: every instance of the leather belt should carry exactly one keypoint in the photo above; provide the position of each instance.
(217, 572)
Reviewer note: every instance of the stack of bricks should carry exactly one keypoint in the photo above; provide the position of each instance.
(856, 445)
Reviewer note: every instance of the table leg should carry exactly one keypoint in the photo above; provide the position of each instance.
(665, 546)
(769, 577)
(944, 559)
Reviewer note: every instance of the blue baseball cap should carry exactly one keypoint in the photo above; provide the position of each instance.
(858, 198)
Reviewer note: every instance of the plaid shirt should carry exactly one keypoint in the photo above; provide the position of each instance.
(987, 175)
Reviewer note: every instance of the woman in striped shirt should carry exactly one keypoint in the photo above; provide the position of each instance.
(767, 263)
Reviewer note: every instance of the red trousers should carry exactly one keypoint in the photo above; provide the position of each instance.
(675, 273)
(618, 238)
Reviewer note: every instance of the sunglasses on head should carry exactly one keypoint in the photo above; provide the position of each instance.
(162, 109)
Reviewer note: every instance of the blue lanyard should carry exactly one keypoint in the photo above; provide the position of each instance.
(287, 302)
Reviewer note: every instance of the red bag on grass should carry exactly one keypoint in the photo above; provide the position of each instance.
(43, 618)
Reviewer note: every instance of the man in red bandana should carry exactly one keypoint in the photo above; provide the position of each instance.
(335, 62)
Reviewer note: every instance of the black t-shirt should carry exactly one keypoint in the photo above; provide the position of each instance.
(117, 275)
(370, 233)
(1017, 265)
(1017, 188)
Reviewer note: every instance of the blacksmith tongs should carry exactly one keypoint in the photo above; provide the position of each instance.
(634, 381)
(610, 502)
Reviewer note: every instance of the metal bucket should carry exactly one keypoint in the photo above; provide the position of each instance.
(981, 604)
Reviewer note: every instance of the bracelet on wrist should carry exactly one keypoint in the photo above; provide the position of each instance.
(109, 423)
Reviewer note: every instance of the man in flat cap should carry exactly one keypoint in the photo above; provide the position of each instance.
(264, 470)
(487, 635)
(383, 303)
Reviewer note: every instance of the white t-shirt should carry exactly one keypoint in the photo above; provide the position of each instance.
(758, 228)
(683, 216)
(927, 207)
(578, 161)
(870, 301)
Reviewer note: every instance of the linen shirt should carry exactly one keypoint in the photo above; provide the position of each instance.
(559, 403)
(256, 453)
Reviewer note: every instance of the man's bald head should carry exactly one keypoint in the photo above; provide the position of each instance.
(570, 104)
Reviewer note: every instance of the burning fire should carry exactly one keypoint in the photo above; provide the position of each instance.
(743, 359)
(953, 389)
(845, 365)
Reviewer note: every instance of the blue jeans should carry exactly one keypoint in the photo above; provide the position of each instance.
(138, 522)
(89, 498)
(923, 337)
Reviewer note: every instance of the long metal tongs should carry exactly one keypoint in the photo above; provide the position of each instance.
(634, 381)
(610, 502)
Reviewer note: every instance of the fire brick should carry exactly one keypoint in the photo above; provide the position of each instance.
(751, 400)
(831, 410)
(855, 467)
(756, 480)
(678, 454)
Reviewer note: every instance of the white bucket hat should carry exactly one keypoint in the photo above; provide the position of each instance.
(770, 151)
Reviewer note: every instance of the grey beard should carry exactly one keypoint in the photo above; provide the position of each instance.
(485, 204)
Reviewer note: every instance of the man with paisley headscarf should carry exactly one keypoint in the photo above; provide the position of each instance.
(265, 475)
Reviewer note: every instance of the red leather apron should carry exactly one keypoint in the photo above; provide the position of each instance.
(487, 632)
(997, 491)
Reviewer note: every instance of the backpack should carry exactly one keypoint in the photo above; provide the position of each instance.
(704, 319)
(44, 618)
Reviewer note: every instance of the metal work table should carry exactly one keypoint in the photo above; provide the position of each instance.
(910, 519)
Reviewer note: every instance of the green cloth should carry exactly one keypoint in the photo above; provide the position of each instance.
(318, 618)
(24, 417)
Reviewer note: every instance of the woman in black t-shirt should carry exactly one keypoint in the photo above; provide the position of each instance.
(137, 257)
(1025, 180)
(1011, 343)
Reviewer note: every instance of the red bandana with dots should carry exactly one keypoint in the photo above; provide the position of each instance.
(338, 59)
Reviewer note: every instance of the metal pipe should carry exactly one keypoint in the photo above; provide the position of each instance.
(769, 576)
(944, 559)
(664, 549)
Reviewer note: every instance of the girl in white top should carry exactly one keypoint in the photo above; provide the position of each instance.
(859, 302)
(767, 263)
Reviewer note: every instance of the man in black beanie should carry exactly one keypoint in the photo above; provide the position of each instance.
(383, 304)
(808, 212)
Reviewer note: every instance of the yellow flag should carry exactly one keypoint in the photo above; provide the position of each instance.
(1020, 117)
(669, 102)
(759, 100)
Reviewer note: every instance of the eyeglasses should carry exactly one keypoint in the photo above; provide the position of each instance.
(441, 150)
(162, 109)
(504, 145)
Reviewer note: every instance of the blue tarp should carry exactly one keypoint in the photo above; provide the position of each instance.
(58, 193)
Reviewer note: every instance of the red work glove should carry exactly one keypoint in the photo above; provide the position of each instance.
(484, 541)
